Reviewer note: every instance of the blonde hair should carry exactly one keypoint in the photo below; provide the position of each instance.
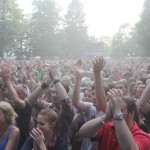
(9, 113)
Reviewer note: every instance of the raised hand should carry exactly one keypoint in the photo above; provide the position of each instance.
(54, 72)
(80, 67)
(37, 136)
(98, 64)
(47, 79)
(5, 72)
(115, 100)
(108, 115)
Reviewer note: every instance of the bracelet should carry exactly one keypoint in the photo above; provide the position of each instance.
(44, 86)
(118, 116)
(56, 81)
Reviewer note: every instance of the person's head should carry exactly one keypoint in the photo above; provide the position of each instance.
(127, 75)
(85, 83)
(130, 110)
(122, 85)
(132, 89)
(22, 91)
(94, 97)
(48, 121)
(7, 114)
(140, 90)
(66, 80)
(132, 79)
(143, 79)
(88, 95)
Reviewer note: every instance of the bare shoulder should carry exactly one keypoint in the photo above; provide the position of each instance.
(15, 132)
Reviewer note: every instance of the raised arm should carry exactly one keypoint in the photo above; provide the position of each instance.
(98, 65)
(37, 93)
(76, 92)
(6, 74)
(143, 102)
(123, 133)
(90, 128)
(61, 92)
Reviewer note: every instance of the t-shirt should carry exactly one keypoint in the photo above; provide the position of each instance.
(147, 119)
(66, 117)
(61, 144)
(23, 121)
(108, 140)
(92, 113)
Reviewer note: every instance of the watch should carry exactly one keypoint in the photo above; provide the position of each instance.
(118, 116)
(56, 81)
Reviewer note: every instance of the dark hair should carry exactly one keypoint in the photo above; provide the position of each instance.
(132, 107)
(143, 79)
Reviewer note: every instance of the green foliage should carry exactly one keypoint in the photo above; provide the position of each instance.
(143, 28)
(44, 27)
(120, 41)
(10, 25)
(76, 30)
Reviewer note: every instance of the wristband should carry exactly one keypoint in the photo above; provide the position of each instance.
(56, 81)
(102, 121)
(118, 116)
(44, 86)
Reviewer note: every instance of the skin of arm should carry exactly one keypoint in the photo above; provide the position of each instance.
(34, 96)
(124, 136)
(14, 95)
(6, 77)
(76, 93)
(61, 92)
(145, 97)
(90, 128)
(98, 65)
(13, 140)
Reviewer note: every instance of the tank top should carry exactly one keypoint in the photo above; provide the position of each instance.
(4, 142)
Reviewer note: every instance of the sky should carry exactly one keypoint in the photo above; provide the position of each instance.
(103, 17)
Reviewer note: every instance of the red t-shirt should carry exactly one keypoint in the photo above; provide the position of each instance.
(108, 140)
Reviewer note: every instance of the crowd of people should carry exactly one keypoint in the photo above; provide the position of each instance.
(70, 104)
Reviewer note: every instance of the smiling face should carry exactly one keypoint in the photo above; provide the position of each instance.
(48, 121)
(43, 124)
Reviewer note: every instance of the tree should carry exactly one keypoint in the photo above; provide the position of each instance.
(76, 30)
(23, 40)
(143, 28)
(10, 24)
(119, 41)
(44, 27)
(107, 44)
